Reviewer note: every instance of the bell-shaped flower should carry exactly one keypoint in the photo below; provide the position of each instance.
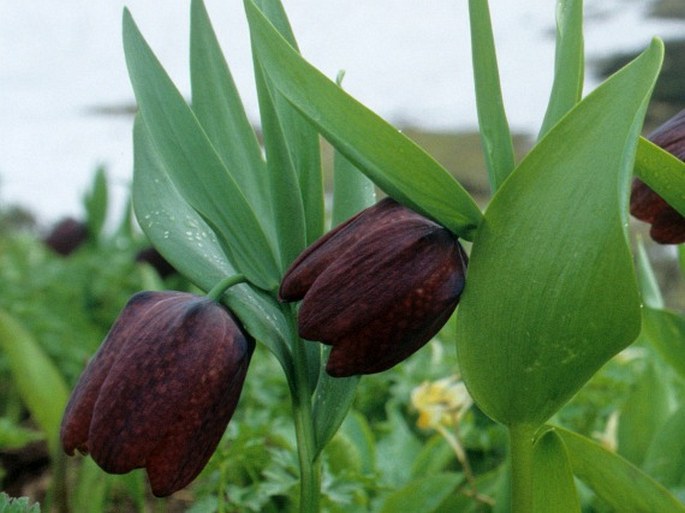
(161, 389)
(668, 226)
(377, 287)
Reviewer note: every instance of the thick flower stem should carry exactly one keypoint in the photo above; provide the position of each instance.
(220, 288)
(521, 454)
(310, 468)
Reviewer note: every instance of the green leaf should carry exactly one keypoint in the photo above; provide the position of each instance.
(498, 147)
(95, 202)
(569, 63)
(619, 483)
(17, 505)
(352, 190)
(396, 164)
(190, 245)
(285, 195)
(332, 400)
(554, 489)
(39, 382)
(194, 166)
(301, 137)
(551, 292)
(663, 172)
(218, 108)
(665, 331)
(423, 495)
(665, 457)
(649, 286)
(645, 410)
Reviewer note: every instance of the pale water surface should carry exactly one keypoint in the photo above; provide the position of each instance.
(61, 64)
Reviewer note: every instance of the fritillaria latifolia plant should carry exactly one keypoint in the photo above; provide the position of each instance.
(549, 296)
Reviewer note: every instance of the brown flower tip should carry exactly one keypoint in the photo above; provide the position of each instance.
(376, 288)
(161, 389)
(668, 226)
(66, 236)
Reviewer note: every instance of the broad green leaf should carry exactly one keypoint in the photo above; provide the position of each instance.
(645, 410)
(618, 482)
(665, 331)
(569, 63)
(665, 457)
(194, 166)
(395, 163)
(551, 292)
(423, 495)
(663, 172)
(191, 247)
(554, 489)
(218, 107)
(301, 137)
(498, 147)
(38, 380)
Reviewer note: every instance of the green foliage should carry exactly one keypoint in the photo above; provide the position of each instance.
(545, 307)
(20, 505)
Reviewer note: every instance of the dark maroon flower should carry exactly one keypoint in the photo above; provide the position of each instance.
(668, 226)
(376, 288)
(160, 390)
(66, 236)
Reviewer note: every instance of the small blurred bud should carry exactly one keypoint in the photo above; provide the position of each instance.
(161, 389)
(668, 226)
(376, 288)
(66, 236)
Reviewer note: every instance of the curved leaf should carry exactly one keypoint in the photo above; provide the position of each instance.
(192, 163)
(184, 239)
(663, 172)
(39, 382)
(619, 483)
(551, 293)
(554, 489)
(396, 164)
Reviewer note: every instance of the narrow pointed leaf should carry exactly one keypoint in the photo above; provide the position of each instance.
(569, 63)
(498, 147)
(218, 107)
(38, 380)
(649, 287)
(301, 137)
(552, 477)
(663, 172)
(391, 160)
(618, 482)
(189, 244)
(194, 166)
(551, 292)
(284, 188)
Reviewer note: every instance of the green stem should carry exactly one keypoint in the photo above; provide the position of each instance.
(310, 468)
(521, 454)
(220, 288)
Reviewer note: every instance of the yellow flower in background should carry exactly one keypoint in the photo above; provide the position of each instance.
(441, 403)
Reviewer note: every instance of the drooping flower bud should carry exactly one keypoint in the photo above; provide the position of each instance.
(376, 288)
(668, 226)
(161, 389)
